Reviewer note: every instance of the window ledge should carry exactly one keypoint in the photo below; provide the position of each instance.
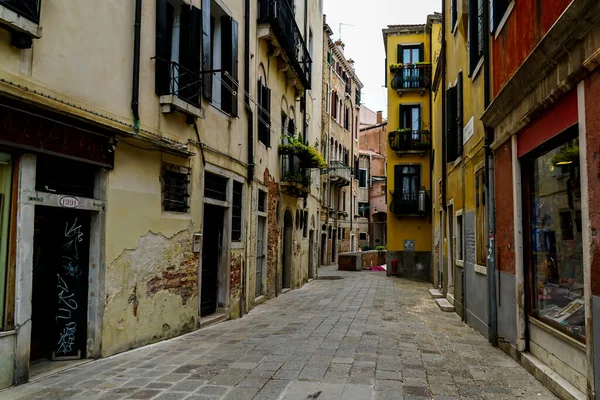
(237, 245)
(170, 103)
(511, 6)
(175, 215)
(7, 333)
(480, 269)
(19, 23)
(460, 263)
(477, 69)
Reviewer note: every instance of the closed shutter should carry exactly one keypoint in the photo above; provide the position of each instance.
(398, 179)
(164, 29)
(402, 118)
(451, 124)
(473, 42)
(421, 52)
(229, 54)
(189, 55)
(459, 114)
(206, 51)
(267, 100)
(400, 54)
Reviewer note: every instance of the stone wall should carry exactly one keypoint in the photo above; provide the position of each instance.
(272, 235)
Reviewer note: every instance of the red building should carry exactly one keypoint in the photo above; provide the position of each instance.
(543, 130)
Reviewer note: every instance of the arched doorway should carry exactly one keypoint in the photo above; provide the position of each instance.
(288, 231)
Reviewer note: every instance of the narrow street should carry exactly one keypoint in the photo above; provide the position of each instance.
(346, 335)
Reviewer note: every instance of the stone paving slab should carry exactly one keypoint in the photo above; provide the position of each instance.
(366, 336)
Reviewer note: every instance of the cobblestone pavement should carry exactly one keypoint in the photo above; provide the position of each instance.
(365, 336)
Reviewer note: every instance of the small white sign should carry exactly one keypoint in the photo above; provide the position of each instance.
(69, 202)
(468, 129)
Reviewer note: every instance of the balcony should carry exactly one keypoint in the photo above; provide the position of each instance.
(182, 90)
(411, 77)
(339, 173)
(409, 141)
(22, 17)
(278, 25)
(295, 180)
(411, 203)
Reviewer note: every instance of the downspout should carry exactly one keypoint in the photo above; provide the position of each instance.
(491, 205)
(135, 87)
(443, 142)
(250, 120)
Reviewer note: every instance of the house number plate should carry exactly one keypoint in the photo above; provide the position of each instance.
(69, 202)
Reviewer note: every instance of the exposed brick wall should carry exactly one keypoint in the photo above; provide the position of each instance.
(505, 233)
(235, 283)
(272, 234)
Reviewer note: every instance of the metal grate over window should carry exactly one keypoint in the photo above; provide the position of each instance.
(236, 212)
(215, 187)
(175, 188)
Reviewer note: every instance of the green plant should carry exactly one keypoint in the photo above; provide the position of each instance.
(367, 248)
(397, 66)
(380, 248)
(309, 156)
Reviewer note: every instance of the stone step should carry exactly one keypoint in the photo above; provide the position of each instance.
(213, 319)
(444, 305)
(435, 293)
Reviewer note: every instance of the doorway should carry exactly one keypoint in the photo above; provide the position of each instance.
(334, 246)
(451, 239)
(286, 270)
(60, 283)
(324, 247)
(260, 256)
(311, 256)
(212, 247)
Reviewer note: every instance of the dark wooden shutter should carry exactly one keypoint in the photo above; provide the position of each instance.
(459, 114)
(420, 116)
(206, 50)
(164, 29)
(267, 100)
(401, 116)
(189, 55)
(229, 57)
(400, 54)
(421, 52)
(451, 124)
(398, 179)
(473, 42)
(234, 67)
(260, 112)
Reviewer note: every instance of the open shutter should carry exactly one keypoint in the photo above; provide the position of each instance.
(206, 51)
(234, 68)
(267, 100)
(401, 116)
(451, 124)
(400, 54)
(164, 18)
(195, 56)
(459, 114)
(227, 87)
(420, 116)
(189, 55)
(385, 73)
(421, 52)
(473, 42)
(398, 179)
(260, 113)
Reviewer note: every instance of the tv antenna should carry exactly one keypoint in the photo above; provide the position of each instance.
(340, 29)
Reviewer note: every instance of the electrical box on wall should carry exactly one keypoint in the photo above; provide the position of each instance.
(197, 242)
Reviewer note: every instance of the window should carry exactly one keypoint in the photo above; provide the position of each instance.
(220, 51)
(343, 200)
(264, 113)
(339, 233)
(343, 233)
(175, 188)
(407, 182)
(215, 187)
(480, 218)
(476, 33)
(454, 120)
(262, 200)
(236, 212)
(177, 52)
(459, 237)
(363, 209)
(305, 224)
(453, 13)
(362, 236)
(410, 117)
(5, 191)
(327, 99)
(329, 58)
(412, 77)
(362, 178)
(497, 10)
(556, 263)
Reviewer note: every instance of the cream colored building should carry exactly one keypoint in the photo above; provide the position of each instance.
(139, 200)
(341, 224)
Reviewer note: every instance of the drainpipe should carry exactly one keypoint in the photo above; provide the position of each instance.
(443, 142)
(135, 88)
(491, 205)
(249, 114)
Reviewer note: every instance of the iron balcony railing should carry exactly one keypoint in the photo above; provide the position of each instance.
(183, 83)
(414, 202)
(413, 76)
(29, 9)
(405, 140)
(280, 16)
(294, 176)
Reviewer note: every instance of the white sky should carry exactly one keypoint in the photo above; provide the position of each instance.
(364, 40)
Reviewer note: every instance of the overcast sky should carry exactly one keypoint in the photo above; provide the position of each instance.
(364, 40)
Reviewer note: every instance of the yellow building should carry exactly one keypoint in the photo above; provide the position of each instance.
(409, 62)
(459, 207)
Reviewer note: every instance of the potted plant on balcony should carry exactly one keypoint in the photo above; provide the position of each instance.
(309, 156)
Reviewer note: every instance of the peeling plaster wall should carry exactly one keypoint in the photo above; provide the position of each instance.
(151, 272)
(273, 239)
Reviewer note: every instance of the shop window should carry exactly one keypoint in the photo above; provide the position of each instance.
(459, 237)
(262, 197)
(480, 218)
(236, 212)
(362, 178)
(175, 188)
(362, 236)
(554, 253)
(5, 196)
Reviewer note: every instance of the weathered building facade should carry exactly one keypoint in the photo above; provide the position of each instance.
(409, 60)
(340, 120)
(143, 190)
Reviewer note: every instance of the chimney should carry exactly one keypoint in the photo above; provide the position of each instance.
(379, 117)
(340, 45)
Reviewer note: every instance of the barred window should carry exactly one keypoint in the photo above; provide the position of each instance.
(215, 187)
(175, 188)
(236, 214)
